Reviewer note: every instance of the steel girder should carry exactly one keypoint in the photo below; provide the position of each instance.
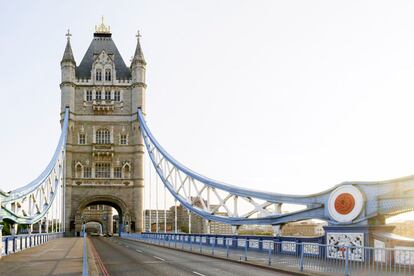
(43, 197)
(214, 200)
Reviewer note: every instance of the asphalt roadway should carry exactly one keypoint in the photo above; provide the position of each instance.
(115, 256)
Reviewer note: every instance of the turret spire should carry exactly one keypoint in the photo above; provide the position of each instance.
(139, 55)
(68, 54)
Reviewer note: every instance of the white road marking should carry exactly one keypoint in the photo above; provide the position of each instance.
(161, 259)
(139, 251)
(127, 246)
(197, 273)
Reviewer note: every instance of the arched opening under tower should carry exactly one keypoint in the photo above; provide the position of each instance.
(109, 211)
(94, 228)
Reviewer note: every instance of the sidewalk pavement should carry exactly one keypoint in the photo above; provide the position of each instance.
(57, 257)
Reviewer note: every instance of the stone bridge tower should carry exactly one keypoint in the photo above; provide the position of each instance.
(105, 151)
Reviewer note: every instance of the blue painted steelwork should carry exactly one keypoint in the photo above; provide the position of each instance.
(13, 244)
(30, 203)
(380, 199)
(85, 267)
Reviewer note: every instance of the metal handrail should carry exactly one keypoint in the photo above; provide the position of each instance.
(85, 269)
(287, 254)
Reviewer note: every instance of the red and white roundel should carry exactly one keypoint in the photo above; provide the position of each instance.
(345, 203)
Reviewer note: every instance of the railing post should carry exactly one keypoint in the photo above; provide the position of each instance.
(228, 248)
(85, 256)
(269, 262)
(301, 256)
(1, 239)
(201, 244)
(245, 250)
(346, 261)
(182, 243)
(6, 244)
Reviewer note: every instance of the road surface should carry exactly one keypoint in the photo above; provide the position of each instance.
(125, 257)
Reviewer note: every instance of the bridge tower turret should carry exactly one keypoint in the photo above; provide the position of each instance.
(67, 86)
(138, 70)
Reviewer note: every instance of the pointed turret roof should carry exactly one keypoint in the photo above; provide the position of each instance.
(68, 54)
(139, 55)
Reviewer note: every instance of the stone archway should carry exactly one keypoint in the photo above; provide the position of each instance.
(124, 214)
(91, 224)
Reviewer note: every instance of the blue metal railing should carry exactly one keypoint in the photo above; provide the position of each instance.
(13, 244)
(85, 269)
(290, 255)
(51, 176)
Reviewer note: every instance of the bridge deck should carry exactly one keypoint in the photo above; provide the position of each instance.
(57, 257)
(126, 257)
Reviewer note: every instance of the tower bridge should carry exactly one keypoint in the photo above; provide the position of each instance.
(99, 160)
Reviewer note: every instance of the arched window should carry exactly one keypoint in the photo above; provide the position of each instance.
(98, 74)
(98, 95)
(108, 74)
(78, 171)
(103, 136)
(117, 96)
(107, 95)
(127, 170)
(82, 139)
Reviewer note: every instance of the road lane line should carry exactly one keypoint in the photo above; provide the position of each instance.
(99, 260)
(159, 258)
(139, 251)
(197, 273)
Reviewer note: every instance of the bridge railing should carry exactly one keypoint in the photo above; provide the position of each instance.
(85, 265)
(288, 254)
(13, 244)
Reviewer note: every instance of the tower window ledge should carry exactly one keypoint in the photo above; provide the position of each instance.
(83, 81)
(120, 81)
(103, 105)
(103, 150)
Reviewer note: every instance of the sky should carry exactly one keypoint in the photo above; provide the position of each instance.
(283, 96)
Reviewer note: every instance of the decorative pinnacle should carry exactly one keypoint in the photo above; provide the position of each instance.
(102, 28)
(138, 35)
(68, 35)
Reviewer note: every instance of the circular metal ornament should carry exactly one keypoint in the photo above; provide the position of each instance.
(345, 203)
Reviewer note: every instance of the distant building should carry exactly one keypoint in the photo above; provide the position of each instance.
(198, 224)
(161, 220)
(405, 228)
(265, 230)
(304, 228)
(220, 228)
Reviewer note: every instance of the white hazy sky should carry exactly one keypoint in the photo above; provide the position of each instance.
(283, 96)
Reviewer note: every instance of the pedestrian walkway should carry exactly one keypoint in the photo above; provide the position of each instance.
(58, 257)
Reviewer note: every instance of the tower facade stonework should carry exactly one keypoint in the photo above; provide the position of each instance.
(105, 150)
